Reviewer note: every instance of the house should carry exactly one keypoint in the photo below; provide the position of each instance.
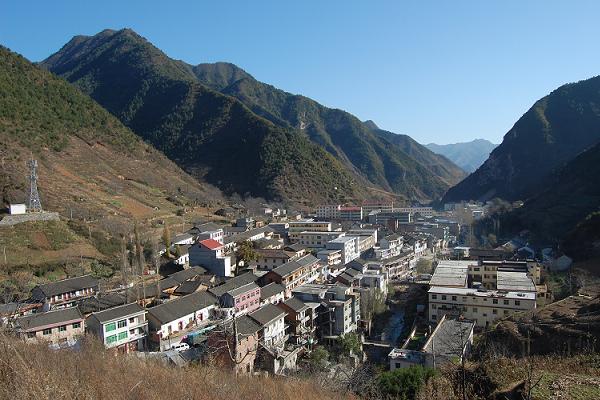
(271, 319)
(59, 328)
(123, 328)
(215, 234)
(330, 257)
(66, 292)
(389, 246)
(348, 245)
(299, 318)
(316, 239)
(168, 322)
(351, 213)
(17, 209)
(272, 293)
(269, 259)
(234, 344)
(211, 255)
(450, 342)
(237, 296)
(294, 273)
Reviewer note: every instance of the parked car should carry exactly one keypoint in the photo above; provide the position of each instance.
(180, 346)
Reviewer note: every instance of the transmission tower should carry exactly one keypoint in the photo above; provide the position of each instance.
(35, 205)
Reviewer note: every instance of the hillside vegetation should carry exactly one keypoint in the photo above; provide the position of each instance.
(552, 132)
(241, 135)
(34, 371)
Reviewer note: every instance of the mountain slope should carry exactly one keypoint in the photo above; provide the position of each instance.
(394, 162)
(469, 155)
(90, 166)
(555, 130)
(212, 136)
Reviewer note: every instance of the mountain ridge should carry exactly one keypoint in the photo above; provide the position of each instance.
(467, 155)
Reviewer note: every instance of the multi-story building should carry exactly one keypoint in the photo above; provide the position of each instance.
(268, 259)
(339, 310)
(348, 245)
(370, 206)
(392, 218)
(367, 238)
(238, 295)
(328, 211)
(66, 292)
(299, 318)
(214, 234)
(330, 257)
(211, 255)
(389, 246)
(168, 322)
(423, 211)
(294, 273)
(272, 321)
(237, 353)
(315, 239)
(351, 213)
(124, 328)
(58, 328)
(306, 225)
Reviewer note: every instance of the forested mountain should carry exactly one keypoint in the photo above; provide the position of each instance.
(468, 155)
(89, 163)
(241, 135)
(554, 131)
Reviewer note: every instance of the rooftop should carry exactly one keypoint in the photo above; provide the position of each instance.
(295, 304)
(267, 314)
(182, 306)
(68, 285)
(271, 290)
(451, 273)
(449, 338)
(292, 266)
(51, 318)
(211, 244)
(514, 281)
(482, 293)
(233, 283)
(119, 312)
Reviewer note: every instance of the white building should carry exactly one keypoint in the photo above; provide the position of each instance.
(349, 246)
(271, 319)
(211, 255)
(328, 211)
(16, 209)
(315, 239)
(124, 327)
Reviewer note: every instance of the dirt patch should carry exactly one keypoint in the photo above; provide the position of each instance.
(39, 240)
(134, 207)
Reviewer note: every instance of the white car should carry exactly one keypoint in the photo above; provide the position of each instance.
(180, 347)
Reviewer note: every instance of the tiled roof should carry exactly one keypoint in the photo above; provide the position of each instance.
(271, 290)
(69, 285)
(233, 283)
(267, 314)
(186, 274)
(118, 312)
(291, 266)
(182, 306)
(50, 318)
(211, 244)
(295, 304)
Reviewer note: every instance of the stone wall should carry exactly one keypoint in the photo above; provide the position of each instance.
(10, 220)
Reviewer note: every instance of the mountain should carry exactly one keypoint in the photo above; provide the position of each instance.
(212, 136)
(394, 162)
(552, 132)
(91, 167)
(468, 155)
(244, 136)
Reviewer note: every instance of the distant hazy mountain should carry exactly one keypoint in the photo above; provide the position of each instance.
(245, 136)
(555, 130)
(469, 155)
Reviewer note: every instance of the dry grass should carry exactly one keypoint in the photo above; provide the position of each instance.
(33, 371)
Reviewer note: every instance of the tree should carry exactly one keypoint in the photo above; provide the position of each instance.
(350, 343)
(372, 302)
(404, 383)
(246, 252)
(166, 238)
(424, 266)
(318, 358)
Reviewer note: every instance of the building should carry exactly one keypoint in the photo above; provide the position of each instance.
(211, 255)
(271, 319)
(268, 259)
(316, 239)
(422, 211)
(348, 245)
(124, 328)
(294, 273)
(214, 234)
(168, 322)
(272, 293)
(17, 209)
(353, 213)
(338, 310)
(59, 328)
(450, 342)
(328, 212)
(234, 344)
(306, 225)
(300, 321)
(330, 257)
(370, 206)
(238, 295)
(367, 238)
(389, 246)
(66, 292)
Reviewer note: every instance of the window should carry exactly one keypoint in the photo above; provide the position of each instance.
(122, 324)
(110, 327)
(505, 312)
(47, 331)
(505, 302)
(495, 301)
(517, 303)
(434, 316)
(474, 309)
(62, 328)
(494, 311)
(453, 298)
(77, 325)
(443, 297)
(433, 306)
(132, 320)
(123, 335)
(111, 339)
(30, 334)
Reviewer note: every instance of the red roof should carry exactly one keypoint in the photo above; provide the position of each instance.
(211, 244)
(350, 209)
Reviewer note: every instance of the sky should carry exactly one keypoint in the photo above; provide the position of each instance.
(439, 71)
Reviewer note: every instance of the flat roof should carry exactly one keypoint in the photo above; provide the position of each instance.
(451, 273)
(514, 281)
(482, 293)
(450, 337)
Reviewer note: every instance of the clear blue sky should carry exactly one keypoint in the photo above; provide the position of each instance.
(441, 71)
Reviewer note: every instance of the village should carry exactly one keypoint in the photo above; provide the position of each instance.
(271, 290)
